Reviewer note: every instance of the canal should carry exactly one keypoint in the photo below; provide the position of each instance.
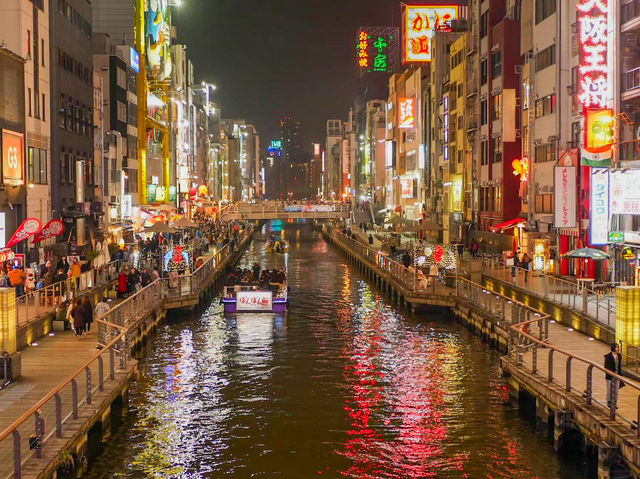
(342, 385)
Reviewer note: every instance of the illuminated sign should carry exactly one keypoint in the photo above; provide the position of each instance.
(408, 188)
(12, 158)
(420, 24)
(135, 60)
(598, 131)
(254, 301)
(565, 196)
(316, 149)
(521, 168)
(406, 112)
(377, 49)
(390, 153)
(157, 27)
(616, 237)
(275, 148)
(624, 192)
(599, 208)
(456, 194)
(593, 37)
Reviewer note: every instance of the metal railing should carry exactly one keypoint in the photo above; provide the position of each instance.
(575, 374)
(598, 307)
(28, 435)
(31, 305)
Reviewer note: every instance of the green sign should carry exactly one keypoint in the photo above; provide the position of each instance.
(616, 237)
(172, 193)
(151, 193)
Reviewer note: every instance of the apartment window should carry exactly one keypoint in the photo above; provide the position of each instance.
(460, 90)
(460, 122)
(78, 121)
(36, 105)
(545, 58)
(121, 78)
(63, 167)
(545, 152)
(484, 24)
(44, 108)
(575, 134)
(71, 168)
(483, 112)
(496, 110)
(496, 64)
(497, 150)
(545, 105)
(29, 100)
(544, 8)
(62, 112)
(37, 165)
(484, 72)
(484, 152)
(42, 54)
(544, 203)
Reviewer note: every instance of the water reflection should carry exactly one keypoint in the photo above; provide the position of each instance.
(342, 385)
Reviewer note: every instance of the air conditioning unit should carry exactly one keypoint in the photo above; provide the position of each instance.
(528, 56)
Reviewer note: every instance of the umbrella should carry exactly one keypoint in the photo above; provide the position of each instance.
(587, 253)
(184, 223)
(159, 227)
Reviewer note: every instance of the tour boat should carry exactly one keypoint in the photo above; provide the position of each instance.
(277, 246)
(243, 298)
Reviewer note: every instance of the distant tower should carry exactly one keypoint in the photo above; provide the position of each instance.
(290, 134)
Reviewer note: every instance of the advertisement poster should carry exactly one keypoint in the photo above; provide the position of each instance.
(421, 22)
(565, 197)
(599, 214)
(254, 301)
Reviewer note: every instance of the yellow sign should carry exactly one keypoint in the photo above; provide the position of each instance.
(421, 22)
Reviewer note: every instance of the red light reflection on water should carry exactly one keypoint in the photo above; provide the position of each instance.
(396, 402)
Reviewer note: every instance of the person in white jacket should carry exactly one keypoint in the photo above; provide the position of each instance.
(101, 308)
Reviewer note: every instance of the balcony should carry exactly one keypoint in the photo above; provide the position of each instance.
(630, 11)
(629, 151)
(631, 82)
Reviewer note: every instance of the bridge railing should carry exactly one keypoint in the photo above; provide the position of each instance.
(273, 210)
(601, 308)
(31, 305)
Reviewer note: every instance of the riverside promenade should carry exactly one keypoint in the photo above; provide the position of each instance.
(551, 368)
(71, 392)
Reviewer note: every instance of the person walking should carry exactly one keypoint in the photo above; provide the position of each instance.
(370, 239)
(133, 281)
(474, 249)
(102, 307)
(76, 271)
(613, 363)
(526, 264)
(77, 314)
(460, 248)
(63, 264)
(87, 312)
(17, 277)
(406, 259)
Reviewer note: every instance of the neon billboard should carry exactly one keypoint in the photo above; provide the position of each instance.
(406, 112)
(593, 38)
(421, 22)
(377, 49)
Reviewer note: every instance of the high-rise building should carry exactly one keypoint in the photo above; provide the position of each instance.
(291, 137)
(72, 165)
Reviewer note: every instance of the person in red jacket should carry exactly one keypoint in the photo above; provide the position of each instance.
(122, 283)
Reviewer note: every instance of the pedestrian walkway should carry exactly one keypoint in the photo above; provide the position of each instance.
(600, 308)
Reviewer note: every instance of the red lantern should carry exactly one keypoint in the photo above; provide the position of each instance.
(438, 254)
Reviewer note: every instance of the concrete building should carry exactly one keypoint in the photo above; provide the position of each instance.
(26, 117)
(72, 165)
(333, 160)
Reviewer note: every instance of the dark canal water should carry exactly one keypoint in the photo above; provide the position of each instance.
(343, 385)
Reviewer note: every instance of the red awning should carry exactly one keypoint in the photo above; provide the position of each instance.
(507, 224)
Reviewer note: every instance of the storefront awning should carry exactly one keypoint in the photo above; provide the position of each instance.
(500, 227)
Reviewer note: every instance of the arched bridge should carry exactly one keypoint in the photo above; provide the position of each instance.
(282, 211)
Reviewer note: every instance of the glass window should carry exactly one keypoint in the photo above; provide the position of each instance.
(484, 72)
(545, 58)
(496, 110)
(497, 150)
(496, 64)
(544, 8)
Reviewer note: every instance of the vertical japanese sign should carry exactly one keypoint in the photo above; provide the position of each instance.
(599, 220)
(377, 49)
(406, 112)
(565, 196)
(593, 36)
(420, 25)
(625, 192)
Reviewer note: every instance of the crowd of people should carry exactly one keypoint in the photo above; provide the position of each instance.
(256, 276)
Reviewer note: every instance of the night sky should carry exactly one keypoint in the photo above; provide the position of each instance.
(271, 58)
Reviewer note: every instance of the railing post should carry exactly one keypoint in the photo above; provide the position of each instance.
(88, 374)
(550, 366)
(39, 434)
(112, 366)
(568, 374)
(534, 359)
(74, 398)
(17, 459)
(58, 415)
(584, 299)
(589, 384)
(614, 398)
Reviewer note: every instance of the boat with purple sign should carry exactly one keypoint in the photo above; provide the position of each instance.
(269, 295)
